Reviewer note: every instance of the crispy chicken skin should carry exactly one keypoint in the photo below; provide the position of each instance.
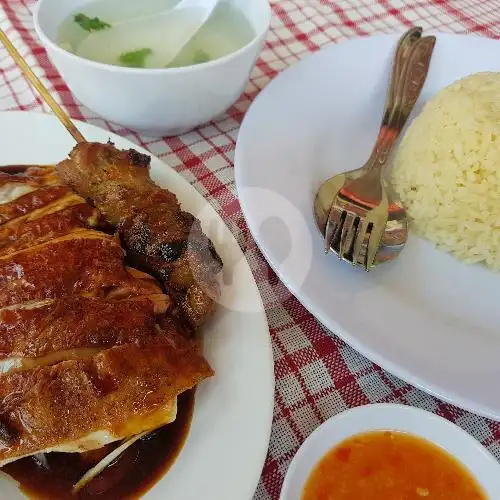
(159, 237)
(35, 207)
(31, 201)
(34, 177)
(121, 391)
(19, 234)
(37, 329)
(84, 262)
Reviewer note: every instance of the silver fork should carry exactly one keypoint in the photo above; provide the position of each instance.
(352, 209)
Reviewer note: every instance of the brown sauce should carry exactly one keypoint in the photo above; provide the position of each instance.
(129, 477)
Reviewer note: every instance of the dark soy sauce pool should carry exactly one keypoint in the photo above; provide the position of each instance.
(135, 472)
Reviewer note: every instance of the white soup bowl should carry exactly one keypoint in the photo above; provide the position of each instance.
(158, 102)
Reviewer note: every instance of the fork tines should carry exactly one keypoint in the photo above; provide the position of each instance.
(348, 236)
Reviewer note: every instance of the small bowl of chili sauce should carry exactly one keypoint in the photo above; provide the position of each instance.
(389, 452)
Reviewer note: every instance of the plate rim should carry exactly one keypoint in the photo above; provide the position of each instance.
(420, 382)
(248, 489)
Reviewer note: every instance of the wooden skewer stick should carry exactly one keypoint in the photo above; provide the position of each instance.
(33, 79)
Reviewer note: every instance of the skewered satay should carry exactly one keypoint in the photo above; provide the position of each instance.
(159, 236)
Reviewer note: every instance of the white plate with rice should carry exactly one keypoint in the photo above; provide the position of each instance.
(428, 317)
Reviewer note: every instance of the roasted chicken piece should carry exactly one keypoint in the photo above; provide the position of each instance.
(37, 333)
(35, 207)
(57, 219)
(12, 187)
(159, 237)
(31, 201)
(46, 248)
(84, 262)
(84, 403)
(87, 356)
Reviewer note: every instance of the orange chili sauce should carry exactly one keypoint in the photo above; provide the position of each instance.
(386, 465)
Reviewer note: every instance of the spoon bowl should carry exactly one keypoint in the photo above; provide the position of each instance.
(175, 26)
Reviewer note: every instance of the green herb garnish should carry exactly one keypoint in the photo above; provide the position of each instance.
(200, 56)
(90, 23)
(136, 58)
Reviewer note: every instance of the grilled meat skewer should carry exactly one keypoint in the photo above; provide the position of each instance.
(160, 238)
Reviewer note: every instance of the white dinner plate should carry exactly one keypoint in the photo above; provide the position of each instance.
(426, 317)
(391, 417)
(226, 447)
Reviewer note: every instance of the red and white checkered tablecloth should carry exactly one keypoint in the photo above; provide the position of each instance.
(317, 374)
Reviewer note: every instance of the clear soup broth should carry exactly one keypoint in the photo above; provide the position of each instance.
(226, 31)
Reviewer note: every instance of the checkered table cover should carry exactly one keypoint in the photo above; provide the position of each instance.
(317, 374)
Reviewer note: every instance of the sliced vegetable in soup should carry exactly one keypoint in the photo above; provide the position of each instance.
(90, 23)
(136, 58)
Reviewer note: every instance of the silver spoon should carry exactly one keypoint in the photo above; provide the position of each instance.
(358, 213)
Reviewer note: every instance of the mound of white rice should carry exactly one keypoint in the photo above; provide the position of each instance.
(447, 170)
